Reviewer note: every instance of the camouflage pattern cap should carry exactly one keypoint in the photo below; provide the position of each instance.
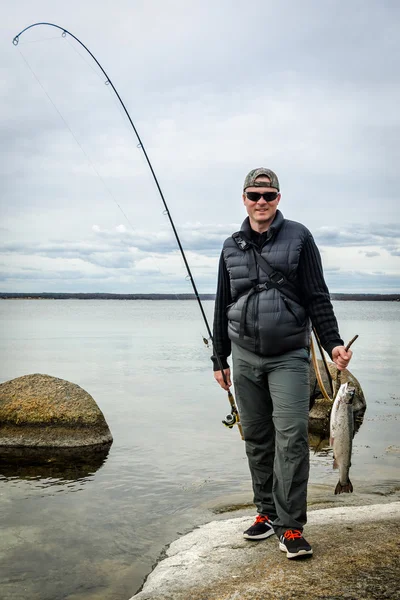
(251, 177)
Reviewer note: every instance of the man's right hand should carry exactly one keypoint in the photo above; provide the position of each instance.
(219, 378)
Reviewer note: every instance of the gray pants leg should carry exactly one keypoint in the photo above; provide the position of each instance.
(272, 395)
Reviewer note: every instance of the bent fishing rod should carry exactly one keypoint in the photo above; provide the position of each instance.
(233, 417)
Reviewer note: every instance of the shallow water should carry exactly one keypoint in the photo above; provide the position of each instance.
(94, 533)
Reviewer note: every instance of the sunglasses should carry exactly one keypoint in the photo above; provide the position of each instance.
(256, 196)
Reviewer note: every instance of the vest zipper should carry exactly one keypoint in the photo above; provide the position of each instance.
(256, 305)
(256, 332)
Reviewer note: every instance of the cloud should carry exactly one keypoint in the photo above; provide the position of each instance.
(316, 99)
(360, 235)
(150, 260)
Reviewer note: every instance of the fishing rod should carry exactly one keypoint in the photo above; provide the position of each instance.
(233, 417)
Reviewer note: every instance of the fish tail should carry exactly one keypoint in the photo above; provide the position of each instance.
(346, 488)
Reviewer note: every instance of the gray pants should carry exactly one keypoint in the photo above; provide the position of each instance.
(273, 395)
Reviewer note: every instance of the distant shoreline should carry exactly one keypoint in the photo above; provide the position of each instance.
(103, 296)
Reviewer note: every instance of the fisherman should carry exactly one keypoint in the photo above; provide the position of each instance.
(270, 286)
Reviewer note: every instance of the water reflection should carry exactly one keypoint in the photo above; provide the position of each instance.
(52, 466)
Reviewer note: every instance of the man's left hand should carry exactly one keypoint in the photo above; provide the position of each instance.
(341, 357)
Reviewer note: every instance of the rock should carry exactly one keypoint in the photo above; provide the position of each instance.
(42, 412)
(321, 408)
(354, 557)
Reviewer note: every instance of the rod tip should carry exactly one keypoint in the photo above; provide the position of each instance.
(16, 40)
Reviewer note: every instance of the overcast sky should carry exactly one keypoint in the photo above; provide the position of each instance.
(215, 88)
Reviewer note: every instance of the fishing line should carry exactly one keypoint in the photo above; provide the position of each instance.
(234, 415)
(118, 106)
(84, 60)
(55, 37)
(90, 162)
(74, 137)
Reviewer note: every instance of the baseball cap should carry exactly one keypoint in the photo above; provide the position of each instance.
(251, 177)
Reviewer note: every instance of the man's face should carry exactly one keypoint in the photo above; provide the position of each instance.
(261, 213)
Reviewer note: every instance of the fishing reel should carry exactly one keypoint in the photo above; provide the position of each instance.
(233, 417)
(230, 420)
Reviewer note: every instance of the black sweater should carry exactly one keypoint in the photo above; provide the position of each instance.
(313, 292)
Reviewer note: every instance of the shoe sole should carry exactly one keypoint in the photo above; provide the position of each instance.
(260, 536)
(299, 554)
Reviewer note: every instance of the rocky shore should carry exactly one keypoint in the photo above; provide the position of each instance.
(356, 550)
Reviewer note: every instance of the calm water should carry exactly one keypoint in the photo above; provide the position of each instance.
(93, 534)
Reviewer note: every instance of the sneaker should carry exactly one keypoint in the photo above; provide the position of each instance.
(260, 530)
(293, 543)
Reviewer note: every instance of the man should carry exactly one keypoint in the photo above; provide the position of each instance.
(270, 285)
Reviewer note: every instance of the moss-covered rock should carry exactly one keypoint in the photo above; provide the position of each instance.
(43, 411)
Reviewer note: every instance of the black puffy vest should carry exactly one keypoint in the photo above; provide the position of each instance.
(272, 322)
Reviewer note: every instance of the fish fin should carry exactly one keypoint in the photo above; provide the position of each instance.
(335, 465)
(331, 441)
(318, 446)
(347, 488)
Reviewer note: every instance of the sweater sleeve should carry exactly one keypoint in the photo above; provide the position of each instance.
(316, 296)
(221, 341)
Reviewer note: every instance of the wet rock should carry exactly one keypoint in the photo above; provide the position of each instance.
(321, 408)
(38, 412)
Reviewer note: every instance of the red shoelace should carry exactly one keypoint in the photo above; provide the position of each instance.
(261, 519)
(291, 534)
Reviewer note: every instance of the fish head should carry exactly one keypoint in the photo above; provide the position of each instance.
(345, 394)
(349, 394)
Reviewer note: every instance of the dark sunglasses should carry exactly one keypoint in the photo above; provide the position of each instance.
(256, 196)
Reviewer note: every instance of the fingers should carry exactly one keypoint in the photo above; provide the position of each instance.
(225, 386)
(340, 365)
(228, 377)
(220, 379)
(341, 357)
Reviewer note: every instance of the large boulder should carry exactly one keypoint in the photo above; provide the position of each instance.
(43, 412)
(321, 408)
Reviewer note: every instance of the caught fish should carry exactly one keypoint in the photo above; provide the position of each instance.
(341, 435)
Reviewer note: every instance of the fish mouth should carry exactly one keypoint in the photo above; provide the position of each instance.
(351, 390)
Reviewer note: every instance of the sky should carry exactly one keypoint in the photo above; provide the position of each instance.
(309, 89)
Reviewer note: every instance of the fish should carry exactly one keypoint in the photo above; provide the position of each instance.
(341, 435)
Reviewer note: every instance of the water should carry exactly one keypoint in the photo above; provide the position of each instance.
(94, 533)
